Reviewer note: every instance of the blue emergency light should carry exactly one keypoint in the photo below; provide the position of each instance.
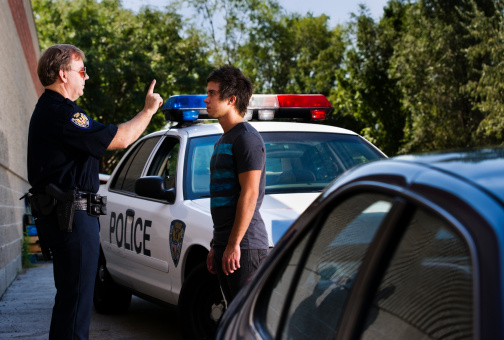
(187, 108)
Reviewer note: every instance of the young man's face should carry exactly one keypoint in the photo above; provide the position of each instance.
(216, 107)
(76, 79)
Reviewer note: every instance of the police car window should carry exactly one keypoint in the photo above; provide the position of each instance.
(164, 163)
(427, 291)
(309, 161)
(323, 278)
(197, 172)
(132, 167)
(295, 162)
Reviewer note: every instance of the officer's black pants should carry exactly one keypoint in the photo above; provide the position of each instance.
(75, 262)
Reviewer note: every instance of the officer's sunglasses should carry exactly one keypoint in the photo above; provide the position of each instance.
(83, 71)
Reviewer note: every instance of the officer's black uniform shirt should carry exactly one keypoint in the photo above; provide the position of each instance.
(65, 145)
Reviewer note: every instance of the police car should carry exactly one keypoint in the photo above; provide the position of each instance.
(156, 235)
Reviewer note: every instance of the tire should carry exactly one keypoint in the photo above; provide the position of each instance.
(109, 297)
(200, 304)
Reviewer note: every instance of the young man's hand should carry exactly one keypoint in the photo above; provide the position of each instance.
(231, 259)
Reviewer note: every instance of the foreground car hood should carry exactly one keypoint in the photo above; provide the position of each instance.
(278, 211)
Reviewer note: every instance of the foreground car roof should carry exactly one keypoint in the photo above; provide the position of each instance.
(483, 167)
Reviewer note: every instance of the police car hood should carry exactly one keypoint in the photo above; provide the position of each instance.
(278, 211)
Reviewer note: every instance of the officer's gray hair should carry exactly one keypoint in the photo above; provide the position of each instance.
(54, 59)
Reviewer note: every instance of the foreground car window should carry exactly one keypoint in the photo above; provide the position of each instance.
(322, 279)
(427, 291)
(295, 162)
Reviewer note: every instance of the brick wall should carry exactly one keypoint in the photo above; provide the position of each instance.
(19, 91)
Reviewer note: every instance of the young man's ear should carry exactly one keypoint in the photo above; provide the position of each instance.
(232, 100)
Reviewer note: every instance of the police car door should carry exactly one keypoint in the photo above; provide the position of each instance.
(139, 227)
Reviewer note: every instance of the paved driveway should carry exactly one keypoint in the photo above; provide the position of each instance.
(26, 307)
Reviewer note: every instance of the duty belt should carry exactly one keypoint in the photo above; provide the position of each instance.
(94, 204)
(81, 204)
(65, 203)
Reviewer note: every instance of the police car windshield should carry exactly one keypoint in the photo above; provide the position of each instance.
(295, 162)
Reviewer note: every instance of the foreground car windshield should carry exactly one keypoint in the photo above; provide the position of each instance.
(295, 161)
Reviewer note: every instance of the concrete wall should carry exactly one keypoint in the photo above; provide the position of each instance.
(19, 91)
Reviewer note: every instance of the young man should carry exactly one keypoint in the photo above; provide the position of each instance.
(64, 147)
(237, 182)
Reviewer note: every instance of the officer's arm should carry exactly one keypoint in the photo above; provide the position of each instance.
(129, 131)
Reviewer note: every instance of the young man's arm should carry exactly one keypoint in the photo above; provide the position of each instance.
(249, 182)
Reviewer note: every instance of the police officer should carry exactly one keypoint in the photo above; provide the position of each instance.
(64, 147)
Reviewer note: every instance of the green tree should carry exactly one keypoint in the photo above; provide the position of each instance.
(292, 54)
(227, 24)
(279, 52)
(487, 88)
(124, 52)
(263, 57)
(427, 75)
(317, 53)
(432, 70)
(366, 90)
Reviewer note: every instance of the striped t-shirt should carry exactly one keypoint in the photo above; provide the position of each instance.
(241, 149)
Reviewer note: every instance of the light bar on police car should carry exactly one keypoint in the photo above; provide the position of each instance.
(280, 106)
(185, 108)
(261, 106)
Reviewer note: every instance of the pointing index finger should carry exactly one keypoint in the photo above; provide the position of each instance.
(151, 87)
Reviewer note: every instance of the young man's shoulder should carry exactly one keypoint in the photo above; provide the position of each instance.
(248, 127)
(246, 133)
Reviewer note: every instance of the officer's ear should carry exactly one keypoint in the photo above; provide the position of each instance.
(62, 75)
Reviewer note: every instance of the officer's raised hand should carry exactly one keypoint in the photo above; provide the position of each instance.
(153, 101)
(129, 131)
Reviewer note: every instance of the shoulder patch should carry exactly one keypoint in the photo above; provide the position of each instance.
(80, 120)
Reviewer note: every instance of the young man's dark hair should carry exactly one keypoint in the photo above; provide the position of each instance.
(232, 82)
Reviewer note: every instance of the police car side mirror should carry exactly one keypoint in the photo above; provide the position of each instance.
(154, 187)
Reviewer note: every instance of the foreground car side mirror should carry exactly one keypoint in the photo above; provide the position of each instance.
(154, 187)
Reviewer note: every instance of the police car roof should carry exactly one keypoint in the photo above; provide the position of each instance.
(198, 130)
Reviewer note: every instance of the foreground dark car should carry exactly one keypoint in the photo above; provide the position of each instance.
(406, 248)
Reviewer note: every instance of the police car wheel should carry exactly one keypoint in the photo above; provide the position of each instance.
(201, 304)
(109, 298)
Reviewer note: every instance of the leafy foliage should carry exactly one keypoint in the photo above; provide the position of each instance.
(366, 88)
(427, 75)
(486, 88)
(124, 52)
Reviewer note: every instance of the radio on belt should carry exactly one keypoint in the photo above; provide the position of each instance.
(189, 108)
